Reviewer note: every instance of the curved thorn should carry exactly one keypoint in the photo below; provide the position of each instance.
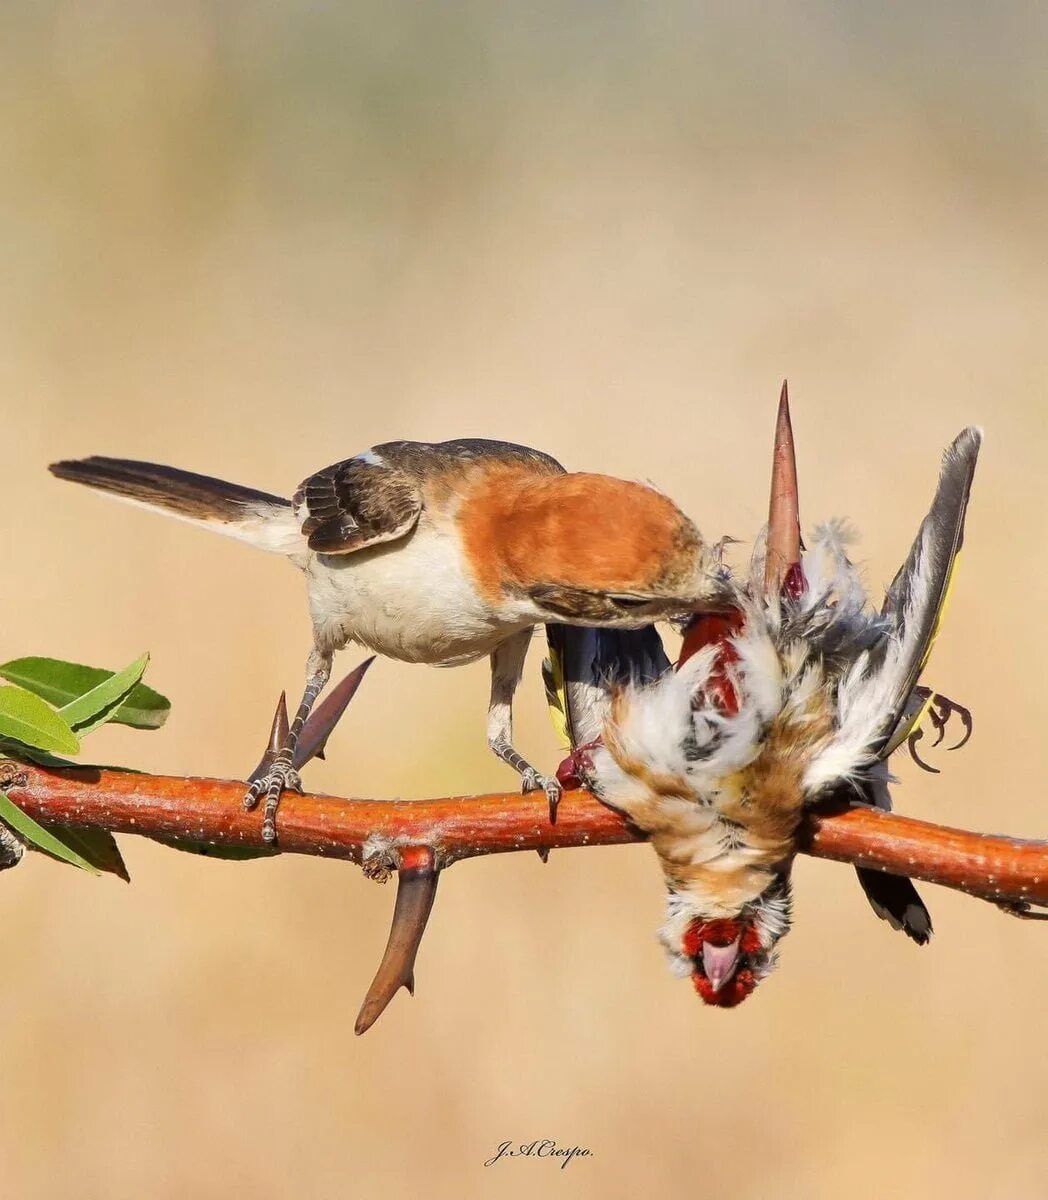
(324, 718)
(277, 739)
(416, 889)
(783, 547)
(911, 745)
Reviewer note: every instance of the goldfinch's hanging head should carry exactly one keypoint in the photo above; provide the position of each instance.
(804, 693)
(726, 957)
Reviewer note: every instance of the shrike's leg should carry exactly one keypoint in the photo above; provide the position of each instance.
(282, 775)
(507, 665)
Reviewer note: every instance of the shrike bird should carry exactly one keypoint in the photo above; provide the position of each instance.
(802, 693)
(444, 552)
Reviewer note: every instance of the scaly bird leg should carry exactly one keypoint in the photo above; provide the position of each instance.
(507, 666)
(281, 774)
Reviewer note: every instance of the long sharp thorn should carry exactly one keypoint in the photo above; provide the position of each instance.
(416, 889)
(783, 548)
(277, 739)
(324, 718)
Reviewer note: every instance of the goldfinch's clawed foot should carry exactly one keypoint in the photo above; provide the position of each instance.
(942, 710)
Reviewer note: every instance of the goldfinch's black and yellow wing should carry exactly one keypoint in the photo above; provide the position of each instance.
(915, 606)
(586, 665)
(916, 602)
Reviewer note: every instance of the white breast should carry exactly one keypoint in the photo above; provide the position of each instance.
(411, 600)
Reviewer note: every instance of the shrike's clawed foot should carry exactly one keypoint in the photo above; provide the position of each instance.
(292, 746)
(279, 777)
(532, 781)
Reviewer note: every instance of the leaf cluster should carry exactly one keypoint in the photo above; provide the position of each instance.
(47, 708)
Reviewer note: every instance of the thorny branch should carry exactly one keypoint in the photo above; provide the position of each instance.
(419, 838)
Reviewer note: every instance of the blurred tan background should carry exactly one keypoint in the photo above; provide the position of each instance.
(253, 239)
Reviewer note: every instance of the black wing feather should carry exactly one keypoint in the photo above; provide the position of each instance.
(895, 900)
(892, 897)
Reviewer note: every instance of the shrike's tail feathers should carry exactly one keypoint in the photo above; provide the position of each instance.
(258, 518)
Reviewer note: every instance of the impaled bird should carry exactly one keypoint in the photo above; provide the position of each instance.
(800, 695)
(442, 553)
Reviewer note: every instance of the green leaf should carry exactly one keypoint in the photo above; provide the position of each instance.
(40, 837)
(96, 846)
(27, 718)
(61, 683)
(103, 701)
(12, 749)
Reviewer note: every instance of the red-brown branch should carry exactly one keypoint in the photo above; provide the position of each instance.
(992, 867)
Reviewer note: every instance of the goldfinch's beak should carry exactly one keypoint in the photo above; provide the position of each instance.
(720, 962)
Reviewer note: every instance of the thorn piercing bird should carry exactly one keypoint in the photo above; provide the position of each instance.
(442, 553)
(800, 697)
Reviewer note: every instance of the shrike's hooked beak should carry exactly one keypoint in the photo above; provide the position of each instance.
(720, 962)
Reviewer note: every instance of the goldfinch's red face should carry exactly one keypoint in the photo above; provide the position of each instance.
(728, 959)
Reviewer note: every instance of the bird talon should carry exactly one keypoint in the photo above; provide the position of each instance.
(941, 711)
(553, 793)
(950, 708)
(532, 781)
(280, 777)
(253, 795)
